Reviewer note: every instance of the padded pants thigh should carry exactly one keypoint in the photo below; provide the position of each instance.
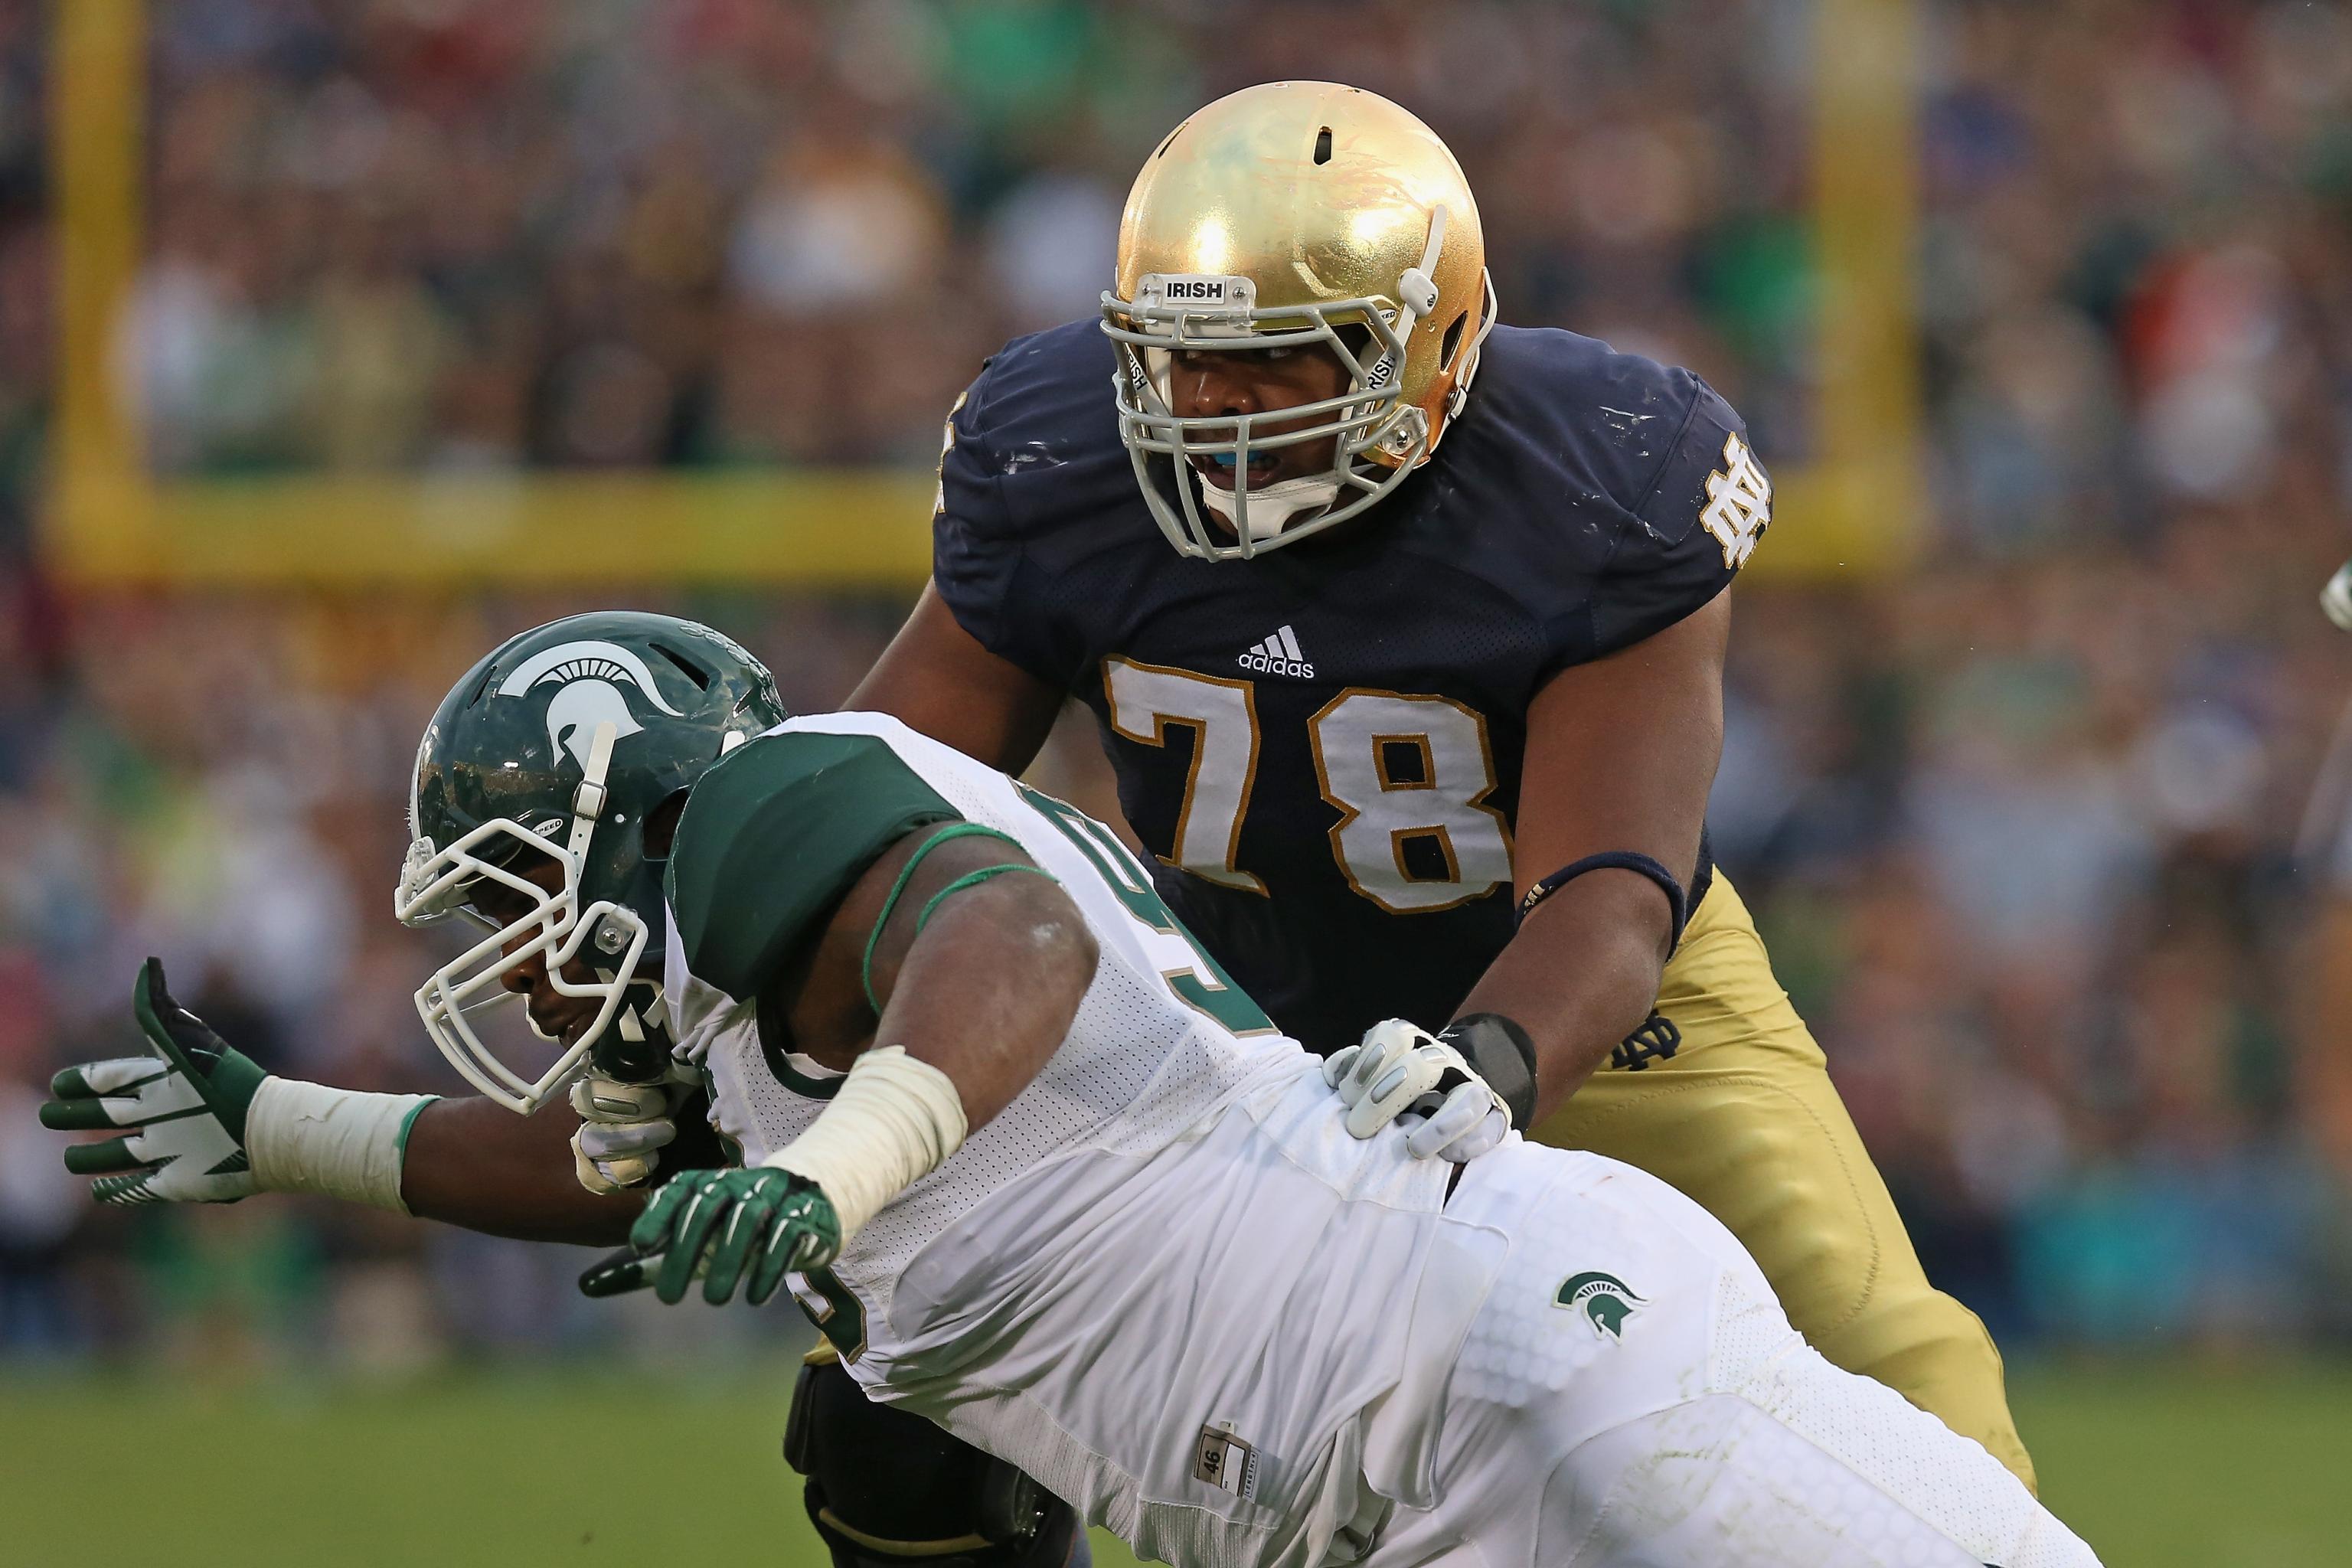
(1726, 1096)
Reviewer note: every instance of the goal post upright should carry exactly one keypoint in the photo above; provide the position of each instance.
(1853, 508)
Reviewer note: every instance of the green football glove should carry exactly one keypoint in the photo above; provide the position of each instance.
(187, 1097)
(732, 1227)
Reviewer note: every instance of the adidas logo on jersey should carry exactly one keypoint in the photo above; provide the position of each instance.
(1278, 655)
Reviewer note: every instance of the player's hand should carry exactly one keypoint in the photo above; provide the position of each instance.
(187, 1097)
(623, 1129)
(1401, 1073)
(732, 1227)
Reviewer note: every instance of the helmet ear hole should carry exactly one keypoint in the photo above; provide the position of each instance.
(1452, 343)
(1323, 146)
(660, 829)
(1358, 338)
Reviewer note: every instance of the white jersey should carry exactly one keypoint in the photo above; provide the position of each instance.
(1163, 1281)
(1167, 1284)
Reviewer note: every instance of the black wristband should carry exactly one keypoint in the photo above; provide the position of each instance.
(1677, 902)
(1499, 1051)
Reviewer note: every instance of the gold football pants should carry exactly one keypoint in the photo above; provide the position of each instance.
(1730, 1101)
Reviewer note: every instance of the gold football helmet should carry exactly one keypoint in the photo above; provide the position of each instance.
(1289, 214)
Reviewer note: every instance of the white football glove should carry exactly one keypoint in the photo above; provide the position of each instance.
(1403, 1074)
(623, 1129)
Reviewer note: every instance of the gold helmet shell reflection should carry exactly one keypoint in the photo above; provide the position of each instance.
(1287, 214)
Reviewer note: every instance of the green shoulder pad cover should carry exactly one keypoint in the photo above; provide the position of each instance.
(773, 837)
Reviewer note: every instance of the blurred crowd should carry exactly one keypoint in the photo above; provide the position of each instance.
(2041, 832)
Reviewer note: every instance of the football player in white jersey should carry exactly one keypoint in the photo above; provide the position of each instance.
(1041, 1175)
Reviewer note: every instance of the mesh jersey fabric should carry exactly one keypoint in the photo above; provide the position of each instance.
(1168, 1228)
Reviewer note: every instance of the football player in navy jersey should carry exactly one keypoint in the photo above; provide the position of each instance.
(1420, 712)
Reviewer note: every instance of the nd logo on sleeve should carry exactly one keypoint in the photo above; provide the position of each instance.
(1738, 502)
(1605, 1300)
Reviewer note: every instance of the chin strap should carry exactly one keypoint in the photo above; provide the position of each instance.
(1271, 508)
(588, 800)
(1417, 290)
(1416, 297)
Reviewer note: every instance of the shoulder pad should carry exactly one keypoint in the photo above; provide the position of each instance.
(1631, 494)
(1032, 473)
(773, 837)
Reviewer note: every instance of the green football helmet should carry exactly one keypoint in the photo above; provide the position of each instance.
(555, 751)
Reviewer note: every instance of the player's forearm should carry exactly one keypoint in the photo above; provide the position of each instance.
(1579, 976)
(473, 1163)
(466, 1161)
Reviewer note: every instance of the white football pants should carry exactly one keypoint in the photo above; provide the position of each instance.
(1632, 1396)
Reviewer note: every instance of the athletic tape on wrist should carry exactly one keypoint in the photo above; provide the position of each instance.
(1500, 1051)
(894, 1120)
(337, 1143)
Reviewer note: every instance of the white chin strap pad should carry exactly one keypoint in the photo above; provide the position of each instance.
(1271, 508)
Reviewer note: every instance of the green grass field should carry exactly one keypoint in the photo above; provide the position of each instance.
(2156, 1467)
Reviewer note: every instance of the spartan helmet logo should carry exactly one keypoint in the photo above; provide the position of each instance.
(593, 674)
(1605, 1300)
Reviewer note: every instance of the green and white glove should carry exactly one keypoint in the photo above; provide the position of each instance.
(188, 1099)
(731, 1228)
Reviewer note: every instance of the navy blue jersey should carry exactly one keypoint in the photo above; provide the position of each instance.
(1322, 744)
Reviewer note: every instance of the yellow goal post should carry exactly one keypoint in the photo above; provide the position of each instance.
(107, 520)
